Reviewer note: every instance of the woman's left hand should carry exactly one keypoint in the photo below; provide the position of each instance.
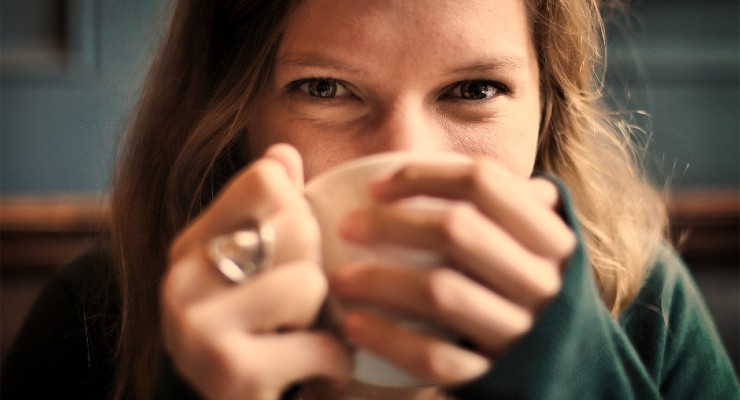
(504, 246)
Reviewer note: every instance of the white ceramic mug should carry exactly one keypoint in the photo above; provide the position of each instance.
(339, 191)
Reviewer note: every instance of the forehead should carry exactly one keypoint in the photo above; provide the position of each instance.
(384, 31)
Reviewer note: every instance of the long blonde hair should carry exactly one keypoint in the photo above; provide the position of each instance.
(592, 150)
(200, 93)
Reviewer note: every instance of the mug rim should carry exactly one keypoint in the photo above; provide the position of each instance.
(403, 156)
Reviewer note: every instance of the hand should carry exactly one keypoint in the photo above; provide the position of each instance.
(504, 245)
(251, 340)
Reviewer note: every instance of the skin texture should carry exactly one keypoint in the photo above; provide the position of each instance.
(389, 89)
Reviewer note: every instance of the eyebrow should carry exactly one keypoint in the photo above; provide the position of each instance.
(506, 62)
(322, 61)
(317, 60)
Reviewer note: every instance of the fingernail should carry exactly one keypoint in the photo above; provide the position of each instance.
(378, 189)
(351, 325)
(343, 278)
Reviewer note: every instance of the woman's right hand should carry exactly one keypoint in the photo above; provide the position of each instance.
(251, 340)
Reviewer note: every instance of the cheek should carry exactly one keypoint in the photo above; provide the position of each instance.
(523, 137)
(527, 144)
(510, 141)
(321, 155)
(270, 126)
(319, 149)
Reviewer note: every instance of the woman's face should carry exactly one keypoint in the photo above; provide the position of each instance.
(355, 77)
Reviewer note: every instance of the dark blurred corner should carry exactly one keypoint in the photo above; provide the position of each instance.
(71, 68)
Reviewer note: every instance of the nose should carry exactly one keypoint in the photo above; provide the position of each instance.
(408, 127)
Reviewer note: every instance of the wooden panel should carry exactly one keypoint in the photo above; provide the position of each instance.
(40, 234)
(705, 225)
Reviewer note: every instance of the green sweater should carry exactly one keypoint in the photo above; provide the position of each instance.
(663, 346)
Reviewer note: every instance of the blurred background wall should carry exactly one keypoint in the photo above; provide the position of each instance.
(71, 69)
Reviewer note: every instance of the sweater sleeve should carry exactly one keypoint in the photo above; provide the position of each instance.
(664, 345)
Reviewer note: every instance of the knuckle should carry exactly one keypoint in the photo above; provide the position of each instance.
(407, 173)
(568, 243)
(271, 178)
(562, 246)
(442, 291)
(307, 230)
(483, 173)
(549, 284)
(297, 237)
(314, 283)
(190, 322)
(265, 179)
(455, 221)
(479, 174)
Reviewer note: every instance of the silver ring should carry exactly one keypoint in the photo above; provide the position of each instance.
(244, 253)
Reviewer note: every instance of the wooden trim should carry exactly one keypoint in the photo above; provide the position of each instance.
(57, 214)
(38, 234)
(705, 225)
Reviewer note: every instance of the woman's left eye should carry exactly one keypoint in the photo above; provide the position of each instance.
(476, 90)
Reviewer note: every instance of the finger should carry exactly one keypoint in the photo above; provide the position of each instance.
(545, 191)
(189, 279)
(235, 365)
(289, 157)
(264, 194)
(311, 355)
(470, 241)
(431, 359)
(495, 192)
(296, 238)
(254, 306)
(256, 193)
(438, 295)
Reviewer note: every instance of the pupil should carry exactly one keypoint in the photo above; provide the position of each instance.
(476, 91)
(322, 88)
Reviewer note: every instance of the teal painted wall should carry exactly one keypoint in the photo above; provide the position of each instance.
(60, 123)
(679, 61)
(67, 84)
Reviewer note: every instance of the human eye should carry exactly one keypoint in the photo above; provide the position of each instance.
(475, 90)
(320, 88)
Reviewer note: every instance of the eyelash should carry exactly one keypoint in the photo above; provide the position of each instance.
(295, 87)
(498, 88)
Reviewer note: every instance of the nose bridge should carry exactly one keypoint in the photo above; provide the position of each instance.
(407, 126)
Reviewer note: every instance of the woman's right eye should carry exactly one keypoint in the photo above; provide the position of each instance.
(323, 88)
